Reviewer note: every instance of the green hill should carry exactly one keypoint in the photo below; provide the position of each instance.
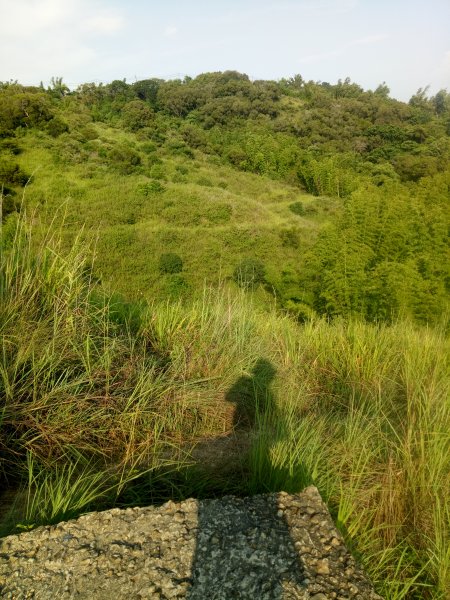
(341, 194)
(217, 285)
(210, 214)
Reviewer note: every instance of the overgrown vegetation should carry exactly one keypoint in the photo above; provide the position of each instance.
(315, 353)
(220, 169)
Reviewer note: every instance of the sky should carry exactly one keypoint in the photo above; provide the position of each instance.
(405, 43)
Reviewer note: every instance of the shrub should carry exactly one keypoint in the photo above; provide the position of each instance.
(152, 187)
(124, 159)
(9, 205)
(300, 311)
(297, 208)
(56, 126)
(157, 171)
(89, 133)
(170, 263)
(10, 172)
(290, 238)
(182, 169)
(179, 178)
(249, 273)
(10, 145)
(179, 148)
(205, 182)
(149, 147)
(176, 286)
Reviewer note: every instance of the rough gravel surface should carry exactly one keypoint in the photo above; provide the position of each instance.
(273, 546)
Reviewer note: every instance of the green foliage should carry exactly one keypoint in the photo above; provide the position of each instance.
(147, 90)
(413, 168)
(124, 158)
(9, 204)
(56, 127)
(290, 237)
(136, 115)
(297, 208)
(328, 176)
(114, 387)
(219, 212)
(179, 148)
(123, 391)
(333, 140)
(176, 286)
(249, 273)
(11, 173)
(170, 263)
(22, 107)
(11, 146)
(375, 261)
(205, 182)
(89, 132)
(58, 88)
(151, 187)
(158, 171)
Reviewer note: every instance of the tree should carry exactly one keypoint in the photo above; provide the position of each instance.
(58, 88)
(147, 90)
(441, 102)
(136, 115)
(382, 90)
(22, 108)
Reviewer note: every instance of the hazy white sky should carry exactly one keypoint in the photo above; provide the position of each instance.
(403, 42)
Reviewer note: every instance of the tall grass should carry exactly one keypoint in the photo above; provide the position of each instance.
(104, 404)
(378, 448)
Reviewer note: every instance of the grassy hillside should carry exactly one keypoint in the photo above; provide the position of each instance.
(208, 213)
(107, 404)
(339, 194)
(217, 285)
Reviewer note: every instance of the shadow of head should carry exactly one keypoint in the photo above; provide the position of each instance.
(251, 394)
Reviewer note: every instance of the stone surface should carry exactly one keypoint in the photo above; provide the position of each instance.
(268, 547)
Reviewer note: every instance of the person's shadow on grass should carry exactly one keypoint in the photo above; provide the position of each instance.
(247, 553)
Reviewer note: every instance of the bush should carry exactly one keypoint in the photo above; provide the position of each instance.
(176, 287)
(124, 159)
(290, 238)
(56, 126)
(152, 187)
(10, 172)
(10, 146)
(182, 169)
(297, 208)
(300, 311)
(89, 133)
(179, 178)
(149, 147)
(205, 182)
(170, 263)
(157, 171)
(179, 148)
(9, 205)
(249, 273)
